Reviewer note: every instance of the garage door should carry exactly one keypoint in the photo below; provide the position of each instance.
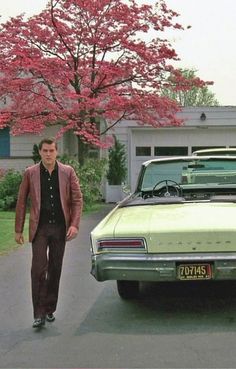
(146, 144)
(149, 144)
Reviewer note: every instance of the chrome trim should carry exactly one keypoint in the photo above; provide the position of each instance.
(158, 267)
(121, 239)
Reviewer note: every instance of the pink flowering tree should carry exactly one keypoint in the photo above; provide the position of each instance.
(83, 62)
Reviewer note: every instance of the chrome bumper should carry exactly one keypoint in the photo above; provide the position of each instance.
(158, 267)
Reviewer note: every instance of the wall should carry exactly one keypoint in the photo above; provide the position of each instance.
(218, 129)
(21, 148)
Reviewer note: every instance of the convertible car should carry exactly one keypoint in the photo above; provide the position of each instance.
(178, 225)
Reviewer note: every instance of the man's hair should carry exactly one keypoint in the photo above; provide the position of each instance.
(48, 141)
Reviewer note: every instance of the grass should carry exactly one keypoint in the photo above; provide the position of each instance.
(7, 231)
(7, 228)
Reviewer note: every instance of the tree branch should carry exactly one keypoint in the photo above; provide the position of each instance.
(114, 123)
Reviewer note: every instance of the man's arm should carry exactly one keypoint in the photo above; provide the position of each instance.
(21, 208)
(76, 206)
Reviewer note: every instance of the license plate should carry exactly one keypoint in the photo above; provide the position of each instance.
(194, 271)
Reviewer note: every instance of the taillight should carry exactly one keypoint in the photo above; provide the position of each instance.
(121, 243)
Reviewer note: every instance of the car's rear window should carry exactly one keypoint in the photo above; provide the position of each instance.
(199, 171)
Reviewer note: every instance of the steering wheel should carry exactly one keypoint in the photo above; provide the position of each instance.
(167, 189)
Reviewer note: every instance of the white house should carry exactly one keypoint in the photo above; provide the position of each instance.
(204, 127)
(16, 151)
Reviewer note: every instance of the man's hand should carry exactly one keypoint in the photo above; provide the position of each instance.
(71, 233)
(19, 238)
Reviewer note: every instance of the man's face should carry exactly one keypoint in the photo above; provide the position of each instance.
(48, 154)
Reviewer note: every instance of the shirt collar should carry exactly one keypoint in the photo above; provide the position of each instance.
(43, 168)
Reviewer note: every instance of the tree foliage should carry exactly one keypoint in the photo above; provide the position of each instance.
(80, 62)
(90, 175)
(196, 96)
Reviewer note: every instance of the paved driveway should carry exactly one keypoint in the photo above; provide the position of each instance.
(20, 345)
(185, 326)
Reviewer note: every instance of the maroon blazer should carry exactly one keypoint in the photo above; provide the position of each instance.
(70, 194)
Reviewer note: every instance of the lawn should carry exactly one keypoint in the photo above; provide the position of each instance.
(7, 231)
(7, 228)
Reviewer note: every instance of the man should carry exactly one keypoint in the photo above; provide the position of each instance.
(55, 211)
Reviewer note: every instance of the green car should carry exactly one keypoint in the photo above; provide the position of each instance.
(178, 225)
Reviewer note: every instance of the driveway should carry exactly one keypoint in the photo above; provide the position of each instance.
(171, 326)
(20, 345)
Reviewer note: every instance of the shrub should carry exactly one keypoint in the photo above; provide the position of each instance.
(35, 154)
(2, 173)
(9, 187)
(90, 175)
(117, 163)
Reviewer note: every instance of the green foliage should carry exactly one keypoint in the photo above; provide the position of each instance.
(117, 164)
(9, 187)
(196, 96)
(90, 175)
(36, 157)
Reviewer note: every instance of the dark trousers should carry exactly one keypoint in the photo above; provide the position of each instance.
(48, 249)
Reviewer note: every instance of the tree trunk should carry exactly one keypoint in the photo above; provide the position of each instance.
(83, 149)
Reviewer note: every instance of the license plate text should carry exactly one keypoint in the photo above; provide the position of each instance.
(194, 271)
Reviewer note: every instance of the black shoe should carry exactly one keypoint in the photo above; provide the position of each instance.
(38, 322)
(50, 317)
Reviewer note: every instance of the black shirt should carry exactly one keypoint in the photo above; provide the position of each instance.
(51, 209)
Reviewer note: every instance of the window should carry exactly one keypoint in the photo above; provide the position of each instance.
(143, 151)
(196, 148)
(93, 153)
(170, 150)
(4, 142)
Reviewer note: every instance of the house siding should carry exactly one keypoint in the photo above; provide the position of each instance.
(218, 129)
(21, 149)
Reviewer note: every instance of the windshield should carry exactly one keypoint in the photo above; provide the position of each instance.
(210, 171)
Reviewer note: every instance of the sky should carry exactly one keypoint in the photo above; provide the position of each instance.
(209, 46)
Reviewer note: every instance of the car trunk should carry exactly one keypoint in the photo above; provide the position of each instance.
(188, 227)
